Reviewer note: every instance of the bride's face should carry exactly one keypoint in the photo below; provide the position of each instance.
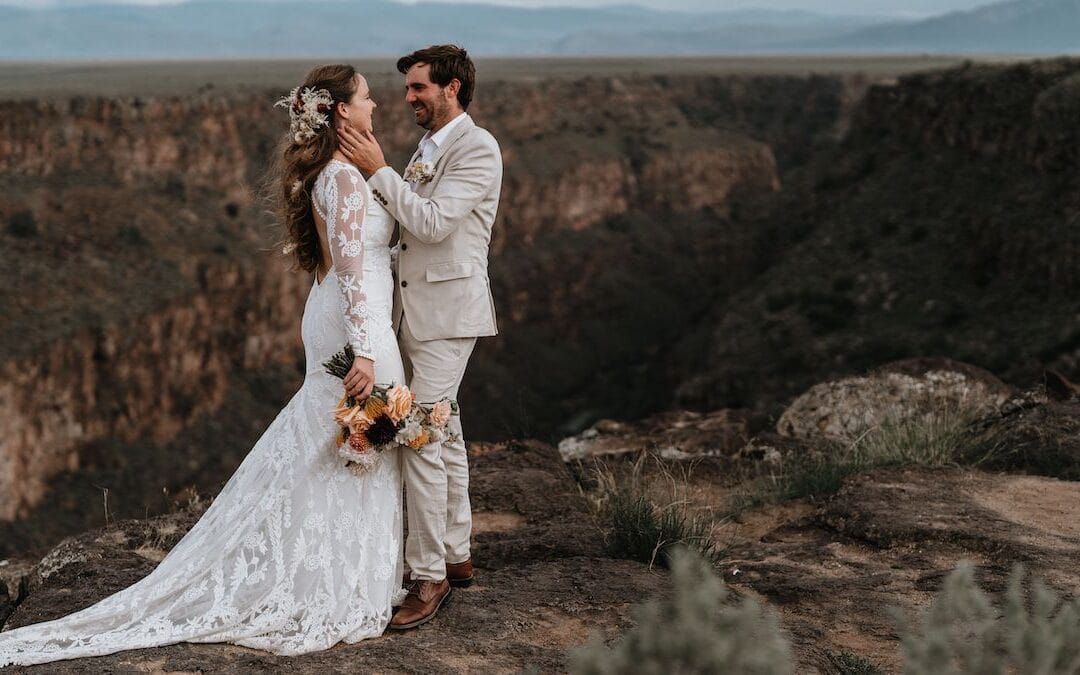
(357, 111)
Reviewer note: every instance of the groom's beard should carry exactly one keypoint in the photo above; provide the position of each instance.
(430, 117)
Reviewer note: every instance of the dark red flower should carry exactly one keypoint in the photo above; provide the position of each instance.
(382, 431)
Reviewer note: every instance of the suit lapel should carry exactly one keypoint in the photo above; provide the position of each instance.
(455, 134)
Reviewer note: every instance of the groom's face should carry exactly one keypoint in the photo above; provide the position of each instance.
(427, 99)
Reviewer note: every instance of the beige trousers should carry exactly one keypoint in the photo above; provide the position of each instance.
(437, 479)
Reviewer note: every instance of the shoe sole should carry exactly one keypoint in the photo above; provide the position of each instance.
(427, 618)
(456, 583)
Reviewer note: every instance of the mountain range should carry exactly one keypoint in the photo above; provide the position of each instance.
(292, 28)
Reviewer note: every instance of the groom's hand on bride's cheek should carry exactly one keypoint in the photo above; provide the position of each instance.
(361, 149)
(347, 142)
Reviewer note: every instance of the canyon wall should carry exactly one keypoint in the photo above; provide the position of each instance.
(944, 224)
(139, 262)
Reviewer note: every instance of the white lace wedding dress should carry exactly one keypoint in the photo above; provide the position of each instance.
(297, 553)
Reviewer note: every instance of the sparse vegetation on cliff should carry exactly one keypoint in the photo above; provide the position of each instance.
(1032, 631)
(637, 527)
(697, 630)
(936, 438)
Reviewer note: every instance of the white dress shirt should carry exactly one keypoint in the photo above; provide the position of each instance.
(432, 141)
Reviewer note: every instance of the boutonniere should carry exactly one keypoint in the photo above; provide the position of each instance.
(419, 172)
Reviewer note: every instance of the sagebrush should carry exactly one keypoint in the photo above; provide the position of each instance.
(696, 630)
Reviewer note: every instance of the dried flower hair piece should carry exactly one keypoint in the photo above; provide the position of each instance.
(309, 110)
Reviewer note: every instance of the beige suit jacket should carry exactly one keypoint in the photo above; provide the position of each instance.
(442, 285)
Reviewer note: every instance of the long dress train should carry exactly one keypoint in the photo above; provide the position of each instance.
(296, 553)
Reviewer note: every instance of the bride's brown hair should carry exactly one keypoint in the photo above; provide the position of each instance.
(299, 164)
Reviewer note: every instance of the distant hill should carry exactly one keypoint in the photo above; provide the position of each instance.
(262, 28)
(320, 28)
(1018, 26)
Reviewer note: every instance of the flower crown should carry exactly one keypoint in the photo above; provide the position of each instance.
(308, 111)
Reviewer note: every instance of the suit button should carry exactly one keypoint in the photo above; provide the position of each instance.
(404, 284)
(404, 247)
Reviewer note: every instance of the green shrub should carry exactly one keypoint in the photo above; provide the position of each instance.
(937, 438)
(697, 630)
(636, 528)
(963, 632)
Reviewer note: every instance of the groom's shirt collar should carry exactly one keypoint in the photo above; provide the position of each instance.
(433, 141)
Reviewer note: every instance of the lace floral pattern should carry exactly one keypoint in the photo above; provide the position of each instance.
(341, 198)
(296, 553)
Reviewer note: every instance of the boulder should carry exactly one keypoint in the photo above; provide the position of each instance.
(846, 409)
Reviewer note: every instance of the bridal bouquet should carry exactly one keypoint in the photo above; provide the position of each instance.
(390, 416)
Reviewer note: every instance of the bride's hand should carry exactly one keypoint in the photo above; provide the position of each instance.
(360, 379)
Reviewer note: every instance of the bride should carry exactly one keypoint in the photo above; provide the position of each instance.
(297, 553)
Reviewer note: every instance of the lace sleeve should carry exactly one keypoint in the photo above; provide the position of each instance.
(346, 201)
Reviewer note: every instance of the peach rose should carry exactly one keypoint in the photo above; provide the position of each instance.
(353, 417)
(398, 402)
(440, 413)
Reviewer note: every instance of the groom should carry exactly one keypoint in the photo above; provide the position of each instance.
(445, 206)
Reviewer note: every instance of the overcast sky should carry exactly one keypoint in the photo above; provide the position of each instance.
(893, 7)
(890, 7)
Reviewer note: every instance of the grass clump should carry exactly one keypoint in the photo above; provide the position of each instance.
(963, 632)
(936, 438)
(850, 663)
(636, 527)
(697, 630)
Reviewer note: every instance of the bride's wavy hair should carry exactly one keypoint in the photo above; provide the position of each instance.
(299, 163)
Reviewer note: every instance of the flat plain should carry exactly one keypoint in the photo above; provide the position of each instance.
(62, 79)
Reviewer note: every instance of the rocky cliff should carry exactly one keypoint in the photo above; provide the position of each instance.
(945, 223)
(139, 264)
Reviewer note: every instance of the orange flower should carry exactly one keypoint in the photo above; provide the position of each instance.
(353, 417)
(420, 441)
(398, 402)
(358, 442)
(342, 409)
(374, 407)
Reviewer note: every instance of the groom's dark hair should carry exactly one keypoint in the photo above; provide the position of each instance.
(447, 62)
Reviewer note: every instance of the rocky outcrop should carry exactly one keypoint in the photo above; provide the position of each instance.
(912, 236)
(1035, 431)
(541, 587)
(675, 435)
(832, 570)
(848, 408)
(887, 540)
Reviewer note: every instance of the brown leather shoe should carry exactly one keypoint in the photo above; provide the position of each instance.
(420, 605)
(460, 575)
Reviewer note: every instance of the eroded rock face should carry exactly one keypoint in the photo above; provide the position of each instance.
(887, 540)
(1032, 432)
(847, 408)
(672, 435)
(128, 188)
